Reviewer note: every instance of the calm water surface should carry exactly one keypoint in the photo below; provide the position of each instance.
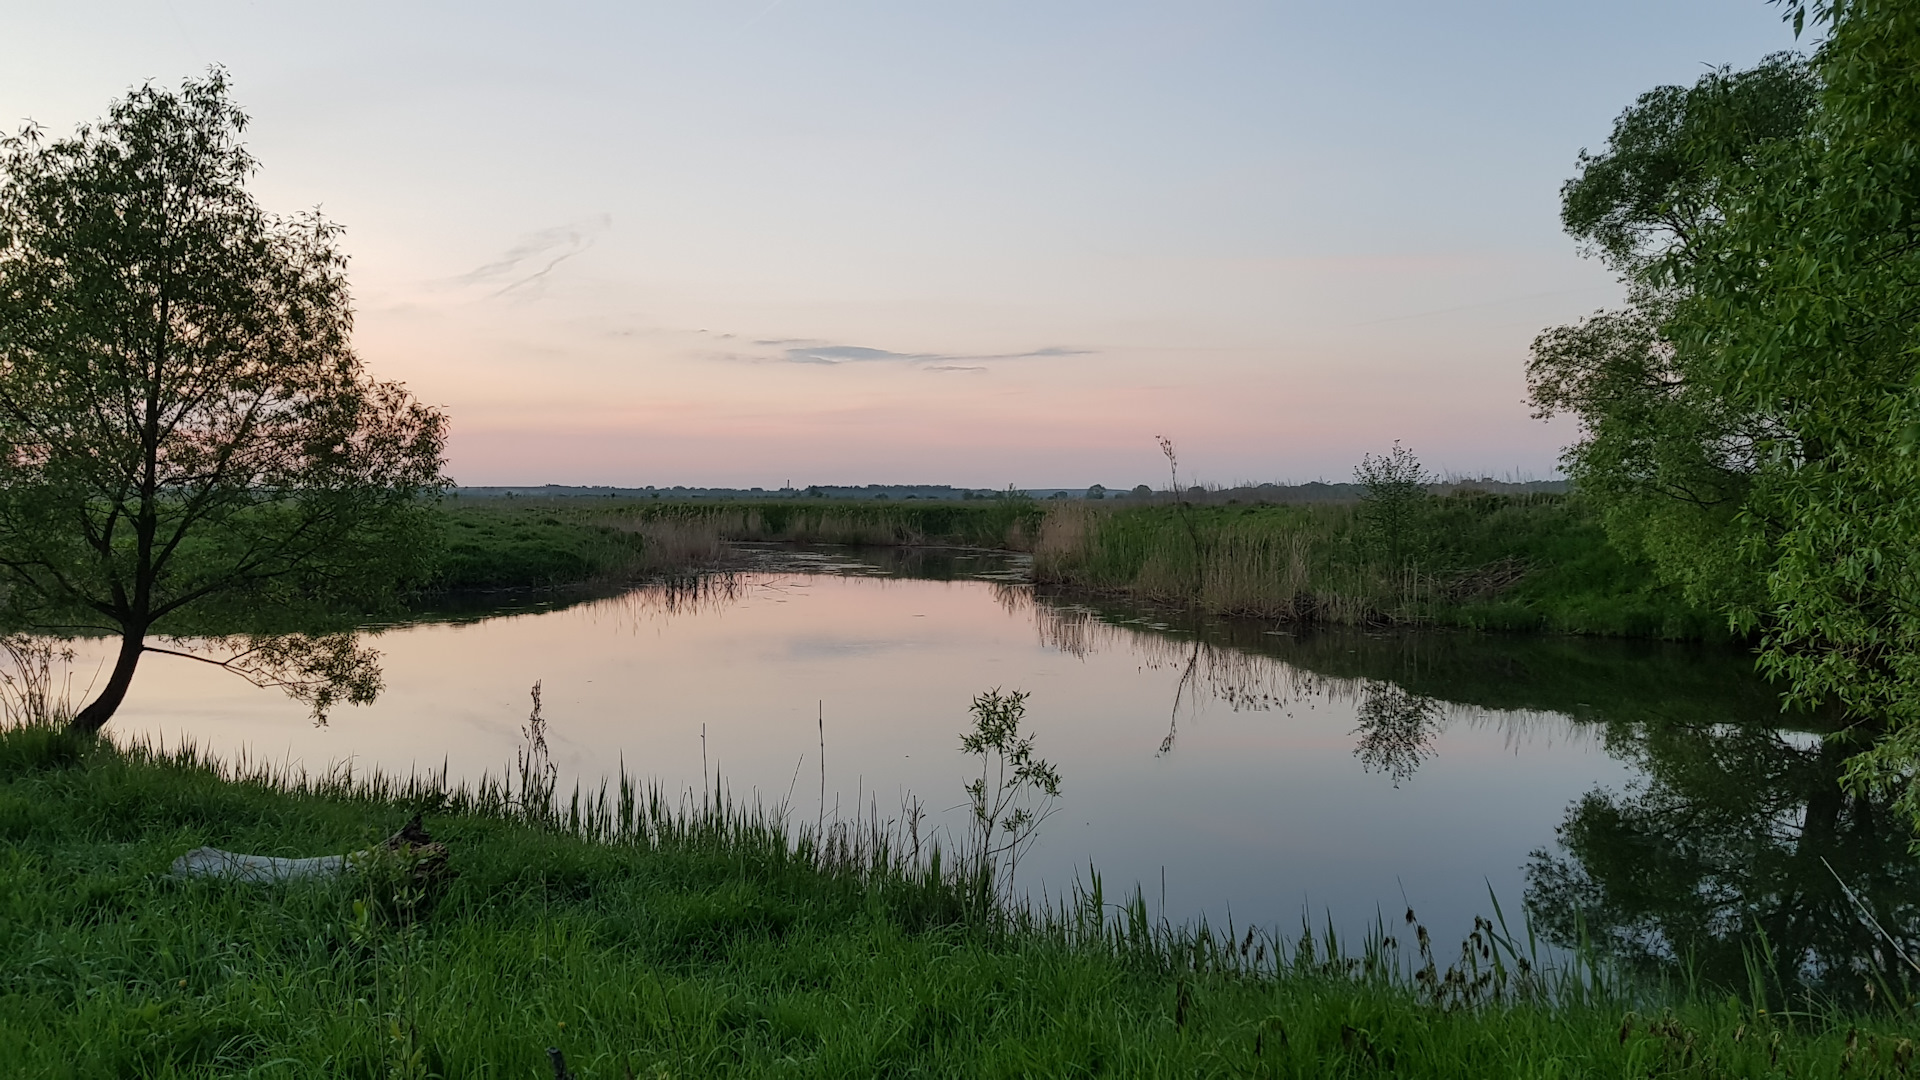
(1226, 768)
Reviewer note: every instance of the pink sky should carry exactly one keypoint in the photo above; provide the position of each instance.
(743, 243)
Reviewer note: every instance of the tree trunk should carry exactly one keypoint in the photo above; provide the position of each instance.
(90, 720)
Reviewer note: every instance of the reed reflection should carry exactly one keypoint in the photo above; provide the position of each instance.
(1398, 728)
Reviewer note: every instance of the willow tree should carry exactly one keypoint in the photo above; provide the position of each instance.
(1803, 300)
(1755, 419)
(192, 458)
(1665, 454)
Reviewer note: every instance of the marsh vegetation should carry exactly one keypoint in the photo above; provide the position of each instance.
(1505, 562)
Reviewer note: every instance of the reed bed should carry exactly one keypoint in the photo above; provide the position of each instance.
(1527, 562)
(1007, 524)
(644, 934)
(1296, 563)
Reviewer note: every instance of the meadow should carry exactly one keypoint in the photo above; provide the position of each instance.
(646, 935)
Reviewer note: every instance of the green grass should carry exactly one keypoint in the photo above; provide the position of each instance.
(648, 940)
(521, 544)
(1497, 562)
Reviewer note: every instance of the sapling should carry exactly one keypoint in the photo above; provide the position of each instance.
(1395, 484)
(1013, 794)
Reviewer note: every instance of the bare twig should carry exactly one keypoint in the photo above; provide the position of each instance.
(1866, 915)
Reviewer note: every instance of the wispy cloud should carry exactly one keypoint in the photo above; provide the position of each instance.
(525, 266)
(834, 355)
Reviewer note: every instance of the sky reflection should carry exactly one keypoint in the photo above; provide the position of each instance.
(1243, 779)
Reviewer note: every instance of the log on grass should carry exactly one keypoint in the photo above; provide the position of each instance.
(425, 859)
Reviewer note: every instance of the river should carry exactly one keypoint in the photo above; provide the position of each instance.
(1653, 793)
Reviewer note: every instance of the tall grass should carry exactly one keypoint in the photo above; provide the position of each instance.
(1295, 563)
(1487, 561)
(996, 523)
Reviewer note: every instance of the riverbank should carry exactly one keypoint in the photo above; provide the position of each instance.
(1534, 562)
(701, 940)
(500, 543)
(1537, 562)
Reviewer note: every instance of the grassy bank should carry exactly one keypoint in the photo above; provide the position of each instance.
(1502, 562)
(508, 543)
(648, 940)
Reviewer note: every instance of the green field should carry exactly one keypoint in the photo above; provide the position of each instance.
(646, 937)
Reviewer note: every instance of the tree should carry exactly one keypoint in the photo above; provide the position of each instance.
(1762, 419)
(1664, 455)
(1803, 301)
(188, 445)
(1394, 485)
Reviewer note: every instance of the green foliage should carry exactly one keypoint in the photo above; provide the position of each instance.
(1666, 457)
(1394, 486)
(185, 434)
(1664, 460)
(1013, 795)
(1665, 172)
(1755, 421)
(1801, 302)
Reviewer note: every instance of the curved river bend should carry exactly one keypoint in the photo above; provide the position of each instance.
(1226, 768)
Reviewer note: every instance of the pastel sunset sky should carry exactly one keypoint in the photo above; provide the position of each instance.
(979, 243)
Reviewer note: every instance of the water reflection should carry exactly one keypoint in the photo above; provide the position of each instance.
(1250, 668)
(1738, 838)
(1734, 850)
(1397, 730)
(1258, 772)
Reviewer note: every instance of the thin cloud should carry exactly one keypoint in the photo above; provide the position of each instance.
(527, 264)
(834, 355)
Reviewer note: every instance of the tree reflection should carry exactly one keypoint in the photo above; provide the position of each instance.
(1397, 730)
(1720, 856)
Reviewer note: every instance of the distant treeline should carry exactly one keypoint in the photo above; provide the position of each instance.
(1312, 491)
(816, 491)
